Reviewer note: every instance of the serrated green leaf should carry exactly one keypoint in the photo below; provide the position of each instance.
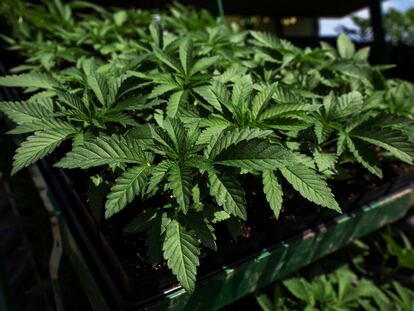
(40, 125)
(255, 154)
(168, 60)
(222, 95)
(131, 183)
(341, 142)
(157, 175)
(228, 194)
(180, 182)
(324, 161)
(200, 163)
(181, 252)
(99, 86)
(24, 112)
(233, 137)
(392, 140)
(322, 131)
(162, 89)
(273, 191)
(220, 216)
(34, 80)
(266, 39)
(242, 90)
(310, 185)
(39, 145)
(156, 34)
(364, 155)
(203, 64)
(206, 93)
(72, 100)
(177, 102)
(348, 104)
(261, 99)
(214, 127)
(112, 150)
(155, 235)
(186, 55)
(283, 110)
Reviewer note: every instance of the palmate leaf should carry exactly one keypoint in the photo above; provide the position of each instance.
(180, 182)
(273, 191)
(228, 193)
(23, 112)
(34, 79)
(38, 146)
(310, 185)
(393, 141)
(131, 183)
(113, 150)
(181, 251)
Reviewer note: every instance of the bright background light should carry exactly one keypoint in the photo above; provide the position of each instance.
(329, 26)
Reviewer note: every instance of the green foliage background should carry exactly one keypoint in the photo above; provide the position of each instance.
(178, 107)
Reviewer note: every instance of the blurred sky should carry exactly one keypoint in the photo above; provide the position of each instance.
(328, 26)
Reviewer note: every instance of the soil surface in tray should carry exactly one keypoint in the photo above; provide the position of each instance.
(260, 230)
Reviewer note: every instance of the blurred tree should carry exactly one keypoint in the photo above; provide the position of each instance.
(399, 27)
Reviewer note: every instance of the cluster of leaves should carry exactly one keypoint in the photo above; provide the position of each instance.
(329, 286)
(338, 290)
(54, 33)
(399, 27)
(192, 112)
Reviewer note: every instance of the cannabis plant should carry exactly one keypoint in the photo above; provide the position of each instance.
(181, 115)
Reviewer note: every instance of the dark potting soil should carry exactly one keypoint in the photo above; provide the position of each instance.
(261, 229)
